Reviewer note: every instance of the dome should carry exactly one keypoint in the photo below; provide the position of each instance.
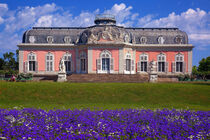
(105, 19)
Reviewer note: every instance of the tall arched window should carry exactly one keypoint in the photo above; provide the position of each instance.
(143, 63)
(179, 58)
(162, 64)
(83, 62)
(32, 62)
(105, 64)
(68, 62)
(128, 64)
(49, 62)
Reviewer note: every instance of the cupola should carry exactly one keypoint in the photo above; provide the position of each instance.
(105, 19)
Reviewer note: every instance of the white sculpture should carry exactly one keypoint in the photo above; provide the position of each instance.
(153, 77)
(152, 66)
(62, 67)
(62, 71)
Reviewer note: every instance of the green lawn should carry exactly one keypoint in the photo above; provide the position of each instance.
(50, 95)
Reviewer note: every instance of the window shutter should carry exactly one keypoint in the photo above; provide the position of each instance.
(112, 64)
(36, 66)
(132, 65)
(184, 67)
(98, 64)
(124, 64)
(138, 66)
(166, 67)
(26, 67)
(173, 67)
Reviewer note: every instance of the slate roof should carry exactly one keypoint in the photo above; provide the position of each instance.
(77, 33)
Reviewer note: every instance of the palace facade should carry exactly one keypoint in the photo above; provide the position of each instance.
(105, 48)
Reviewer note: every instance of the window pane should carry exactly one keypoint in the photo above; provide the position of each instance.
(145, 66)
(145, 58)
(128, 64)
(159, 58)
(142, 58)
(159, 66)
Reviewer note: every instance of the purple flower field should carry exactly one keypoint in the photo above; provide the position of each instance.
(107, 124)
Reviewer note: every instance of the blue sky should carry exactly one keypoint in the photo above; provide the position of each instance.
(191, 16)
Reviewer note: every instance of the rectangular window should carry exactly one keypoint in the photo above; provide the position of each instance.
(161, 66)
(105, 64)
(179, 66)
(144, 66)
(67, 65)
(128, 65)
(82, 65)
(31, 65)
(49, 63)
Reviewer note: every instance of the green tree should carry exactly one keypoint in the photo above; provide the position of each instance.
(204, 68)
(194, 70)
(17, 60)
(1, 63)
(9, 61)
(204, 65)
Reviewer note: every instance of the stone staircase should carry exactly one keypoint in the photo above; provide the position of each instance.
(115, 78)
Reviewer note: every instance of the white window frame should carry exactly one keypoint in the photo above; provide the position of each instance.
(177, 59)
(143, 60)
(67, 39)
(132, 65)
(83, 55)
(31, 57)
(68, 57)
(50, 39)
(105, 54)
(49, 54)
(163, 59)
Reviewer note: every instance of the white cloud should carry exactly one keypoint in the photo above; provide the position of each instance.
(3, 10)
(194, 22)
(123, 14)
(1, 20)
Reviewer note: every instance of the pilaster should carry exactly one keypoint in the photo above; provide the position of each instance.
(121, 58)
(21, 53)
(90, 59)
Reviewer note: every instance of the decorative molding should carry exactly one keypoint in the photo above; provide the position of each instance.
(32, 39)
(50, 39)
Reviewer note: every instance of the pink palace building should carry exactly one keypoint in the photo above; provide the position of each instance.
(105, 48)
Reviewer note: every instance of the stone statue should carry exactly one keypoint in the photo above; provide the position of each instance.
(153, 77)
(152, 66)
(62, 67)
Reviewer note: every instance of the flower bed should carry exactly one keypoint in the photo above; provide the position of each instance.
(107, 124)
